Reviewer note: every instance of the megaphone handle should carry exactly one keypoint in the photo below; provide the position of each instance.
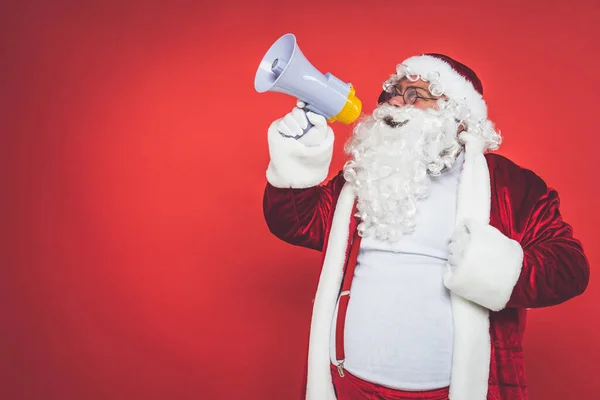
(308, 125)
(308, 108)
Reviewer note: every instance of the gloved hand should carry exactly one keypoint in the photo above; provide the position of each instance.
(458, 244)
(295, 122)
(484, 265)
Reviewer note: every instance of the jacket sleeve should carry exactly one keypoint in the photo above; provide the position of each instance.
(555, 267)
(296, 204)
(527, 256)
(300, 216)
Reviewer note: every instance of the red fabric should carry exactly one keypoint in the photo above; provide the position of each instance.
(302, 217)
(351, 387)
(523, 208)
(462, 70)
(340, 354)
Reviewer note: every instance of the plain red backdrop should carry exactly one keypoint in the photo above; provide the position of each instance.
(135, 260)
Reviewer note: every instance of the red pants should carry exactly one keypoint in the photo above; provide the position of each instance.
(352, 388)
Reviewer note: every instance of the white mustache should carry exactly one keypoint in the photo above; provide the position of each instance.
(396, 117)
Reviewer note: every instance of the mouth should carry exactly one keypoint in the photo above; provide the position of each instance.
(389, 121)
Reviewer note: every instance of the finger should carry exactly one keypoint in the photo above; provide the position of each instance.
(300, 117)
(454, 248)
(284, 129)
(462, 242)
(459, 233)
(316, 119)
(452, 260)
(300, 104)
(466, 234)
(471, 225)
(292, 124)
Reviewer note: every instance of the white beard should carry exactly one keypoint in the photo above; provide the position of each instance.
(390, 167)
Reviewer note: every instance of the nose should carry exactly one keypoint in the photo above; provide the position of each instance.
(397, 101)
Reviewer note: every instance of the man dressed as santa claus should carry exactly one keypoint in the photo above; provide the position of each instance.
(433, 249)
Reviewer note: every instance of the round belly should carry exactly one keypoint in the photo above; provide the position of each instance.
(398, 330)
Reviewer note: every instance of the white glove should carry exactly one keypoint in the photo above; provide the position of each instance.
(296, 121)
(484, 265)
(458, 244)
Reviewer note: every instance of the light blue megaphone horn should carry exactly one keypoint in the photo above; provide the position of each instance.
(284, 69)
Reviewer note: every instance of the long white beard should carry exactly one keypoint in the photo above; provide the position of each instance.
(390, 167)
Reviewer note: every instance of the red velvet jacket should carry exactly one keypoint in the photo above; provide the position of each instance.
(523, 208)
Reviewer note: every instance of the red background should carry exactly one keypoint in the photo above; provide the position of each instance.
(135, 260)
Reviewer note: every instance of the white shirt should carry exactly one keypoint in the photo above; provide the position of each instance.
(399, 329)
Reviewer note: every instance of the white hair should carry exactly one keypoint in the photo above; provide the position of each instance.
(393, 154)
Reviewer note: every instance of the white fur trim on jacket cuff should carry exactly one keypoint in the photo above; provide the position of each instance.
(489, 268)
(294, 165)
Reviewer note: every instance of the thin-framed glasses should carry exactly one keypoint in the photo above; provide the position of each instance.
(410, 95)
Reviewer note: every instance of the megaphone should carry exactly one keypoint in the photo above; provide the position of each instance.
(284, 69)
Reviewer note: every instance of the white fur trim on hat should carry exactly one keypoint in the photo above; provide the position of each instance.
(455, 86)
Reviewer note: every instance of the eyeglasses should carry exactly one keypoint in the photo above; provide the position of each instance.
(410, 95)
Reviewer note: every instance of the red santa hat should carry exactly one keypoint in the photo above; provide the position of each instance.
(447, 77)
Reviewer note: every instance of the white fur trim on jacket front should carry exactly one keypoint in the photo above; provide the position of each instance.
(294, 165)
(472, 345)
(490, 267)
(319, 385)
